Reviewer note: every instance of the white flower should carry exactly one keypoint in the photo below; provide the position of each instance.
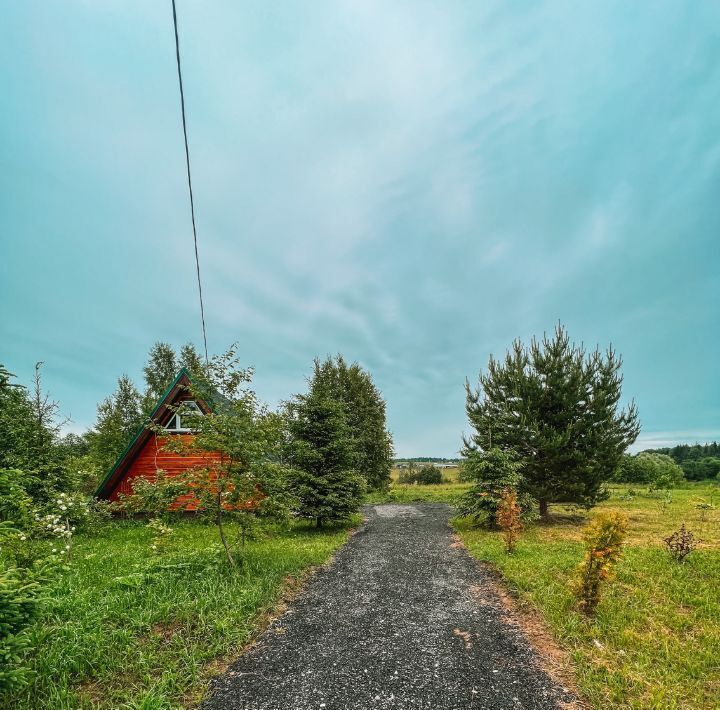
(54, 549)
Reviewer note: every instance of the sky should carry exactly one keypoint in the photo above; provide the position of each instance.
(412, 184)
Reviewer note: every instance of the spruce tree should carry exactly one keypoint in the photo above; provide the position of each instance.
(321, 454)
(555, 407)
(364, 408)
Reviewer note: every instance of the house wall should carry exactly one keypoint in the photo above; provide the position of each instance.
(152, 457)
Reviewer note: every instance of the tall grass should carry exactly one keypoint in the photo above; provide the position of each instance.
(124, 629)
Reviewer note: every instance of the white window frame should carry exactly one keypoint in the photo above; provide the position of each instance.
(177, 418)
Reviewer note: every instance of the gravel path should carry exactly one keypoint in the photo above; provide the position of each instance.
(394, 622)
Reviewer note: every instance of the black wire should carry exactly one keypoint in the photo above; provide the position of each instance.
(187, 162)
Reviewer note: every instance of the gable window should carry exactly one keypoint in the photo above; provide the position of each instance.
(179, 422)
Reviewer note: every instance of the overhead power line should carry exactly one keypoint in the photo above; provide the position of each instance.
(189, 179)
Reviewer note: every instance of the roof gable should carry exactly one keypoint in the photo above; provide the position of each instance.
(158, 415)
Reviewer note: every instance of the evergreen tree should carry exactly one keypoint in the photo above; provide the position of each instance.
(321, 454)
(16, 423)
(555, 407)
(119, 418)
(160, 370)
(493, 472)
(364, 409)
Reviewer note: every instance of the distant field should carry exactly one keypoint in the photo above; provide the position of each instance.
(449, 474)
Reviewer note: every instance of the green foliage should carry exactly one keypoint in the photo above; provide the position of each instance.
(160, 370)
(364, 410)
(701, 469)
(603, 538)
(119, 418)
(15, 503)
(492, 473)
(323, 481)
(554, 406)
(426, 475)
(246, 479)
(21, 597)
(657, 471)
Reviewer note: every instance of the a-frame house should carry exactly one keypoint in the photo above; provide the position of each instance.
(145, 454)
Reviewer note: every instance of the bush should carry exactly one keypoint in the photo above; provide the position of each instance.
(680, 544)
(427, 475)
(603, 538)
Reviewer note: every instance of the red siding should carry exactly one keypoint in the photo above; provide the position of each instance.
(152, 457)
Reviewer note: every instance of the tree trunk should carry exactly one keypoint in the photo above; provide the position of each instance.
(222, 532)
(543, 508)
(318, 522)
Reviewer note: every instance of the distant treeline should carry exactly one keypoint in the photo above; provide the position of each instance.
(698, 461)
(689, 452)
(429, 459)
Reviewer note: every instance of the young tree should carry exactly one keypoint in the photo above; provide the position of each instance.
(118, 419)
(160, 370)
(556, 408)
(494, 472)
(243, 477)
(321, 454)
(364, 409)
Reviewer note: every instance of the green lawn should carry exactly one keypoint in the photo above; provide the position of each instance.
(656, 640)
(125, 629)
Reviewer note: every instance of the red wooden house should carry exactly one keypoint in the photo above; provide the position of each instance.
(145, 454)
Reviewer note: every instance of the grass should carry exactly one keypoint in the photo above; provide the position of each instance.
(126, 630)
(655, 642)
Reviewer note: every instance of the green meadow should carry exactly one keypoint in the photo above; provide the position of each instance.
(124, 629)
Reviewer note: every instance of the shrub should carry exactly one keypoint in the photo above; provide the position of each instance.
(680, 544)
(493, 471)
(603, 538)
(427, 475)
(508, 519)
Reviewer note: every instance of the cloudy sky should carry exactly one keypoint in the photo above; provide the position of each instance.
(413, 184)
